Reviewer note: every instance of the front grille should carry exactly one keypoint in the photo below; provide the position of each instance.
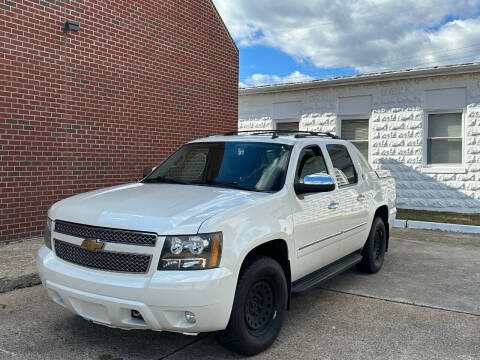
(106, 234)
(102, 260)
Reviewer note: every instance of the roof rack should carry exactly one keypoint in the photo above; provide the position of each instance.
(276, 133)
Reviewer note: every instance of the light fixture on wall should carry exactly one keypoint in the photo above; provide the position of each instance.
(71, 26)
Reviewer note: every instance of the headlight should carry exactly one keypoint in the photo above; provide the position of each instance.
(47, 233)
(193, 252)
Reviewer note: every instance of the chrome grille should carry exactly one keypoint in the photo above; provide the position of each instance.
(102, 260)
(106, 234)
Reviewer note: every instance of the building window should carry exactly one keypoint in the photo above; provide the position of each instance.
(356, 131)
(288, 125)
(444, 140)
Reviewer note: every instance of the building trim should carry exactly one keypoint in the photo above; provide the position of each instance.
(365, 79)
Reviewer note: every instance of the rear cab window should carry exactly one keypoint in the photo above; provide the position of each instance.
(345, 172)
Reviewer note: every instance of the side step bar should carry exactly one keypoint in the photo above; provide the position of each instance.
(326, 273)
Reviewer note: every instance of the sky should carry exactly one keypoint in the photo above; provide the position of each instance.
(292, 41)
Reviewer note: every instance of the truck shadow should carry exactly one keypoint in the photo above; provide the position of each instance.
(449, 192)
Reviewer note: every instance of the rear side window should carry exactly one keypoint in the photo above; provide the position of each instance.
(345, 173)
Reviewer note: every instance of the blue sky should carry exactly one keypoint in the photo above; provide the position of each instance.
(288, 41)
(261, 59)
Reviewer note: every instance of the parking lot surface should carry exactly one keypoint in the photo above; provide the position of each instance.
(424, 304)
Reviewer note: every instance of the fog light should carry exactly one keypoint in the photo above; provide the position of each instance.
(136, 315)
(190, 317)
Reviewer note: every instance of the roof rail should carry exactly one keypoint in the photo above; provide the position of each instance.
(276, 133)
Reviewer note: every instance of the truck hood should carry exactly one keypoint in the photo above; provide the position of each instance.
(166, 209)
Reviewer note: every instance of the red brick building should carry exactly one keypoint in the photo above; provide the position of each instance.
(87, 109)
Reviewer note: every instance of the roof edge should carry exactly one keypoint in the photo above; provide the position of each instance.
(365, 78)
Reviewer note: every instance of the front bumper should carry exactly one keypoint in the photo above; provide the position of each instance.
(162, 298)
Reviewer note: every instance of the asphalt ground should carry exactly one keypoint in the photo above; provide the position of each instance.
(424, 304)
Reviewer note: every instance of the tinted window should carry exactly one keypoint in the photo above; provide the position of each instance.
(345, 173)
(244, 165)
(311, 162)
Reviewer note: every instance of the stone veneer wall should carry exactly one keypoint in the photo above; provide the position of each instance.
(397, 136)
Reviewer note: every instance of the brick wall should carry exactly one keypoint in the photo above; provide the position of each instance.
(86, 110)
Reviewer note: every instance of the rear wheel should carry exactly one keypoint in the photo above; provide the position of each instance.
(374, 250)
(258, 309)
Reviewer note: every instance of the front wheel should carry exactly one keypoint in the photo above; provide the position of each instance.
(374, 250)
(258, 309)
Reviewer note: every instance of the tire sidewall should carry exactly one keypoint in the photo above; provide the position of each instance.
(268, 270)
(374, 264)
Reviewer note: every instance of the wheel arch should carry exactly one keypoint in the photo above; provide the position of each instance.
(277, 250)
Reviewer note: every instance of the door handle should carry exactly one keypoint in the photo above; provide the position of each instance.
(361, 197)
(333, 205)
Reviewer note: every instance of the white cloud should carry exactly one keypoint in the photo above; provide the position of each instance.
(369, 35)
(264, 79)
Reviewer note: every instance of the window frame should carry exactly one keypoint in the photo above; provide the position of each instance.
(342, 118)
(302, 153)
(425, 163)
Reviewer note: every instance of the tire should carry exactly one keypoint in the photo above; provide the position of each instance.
(374, 250)
(258, 309)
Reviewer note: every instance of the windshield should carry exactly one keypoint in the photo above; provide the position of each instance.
(241, 165)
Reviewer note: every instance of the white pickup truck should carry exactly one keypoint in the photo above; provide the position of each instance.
(219, 235)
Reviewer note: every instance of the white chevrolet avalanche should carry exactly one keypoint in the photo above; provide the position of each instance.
(218, 236)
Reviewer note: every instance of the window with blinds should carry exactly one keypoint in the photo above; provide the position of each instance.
(289, 126)
(444, 141)
(356, 131)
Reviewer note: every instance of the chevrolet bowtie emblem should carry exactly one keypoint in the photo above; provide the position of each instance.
(92, 244)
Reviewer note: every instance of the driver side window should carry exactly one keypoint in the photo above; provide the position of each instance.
(311, 161)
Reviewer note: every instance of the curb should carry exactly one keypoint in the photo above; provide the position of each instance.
(425, 225)
(15, 282)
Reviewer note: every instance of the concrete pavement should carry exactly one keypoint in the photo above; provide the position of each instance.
(17, 264)
(423, 272)
(422, 305)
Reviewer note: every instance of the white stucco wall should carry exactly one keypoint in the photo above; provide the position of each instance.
(398, 112)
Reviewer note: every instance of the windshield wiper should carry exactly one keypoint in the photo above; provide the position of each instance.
(164, 180)
(226, 184)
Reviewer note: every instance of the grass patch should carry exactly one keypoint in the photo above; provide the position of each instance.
(441, 217)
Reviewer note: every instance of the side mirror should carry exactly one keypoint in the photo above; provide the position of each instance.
(148, 170)
(315, 183)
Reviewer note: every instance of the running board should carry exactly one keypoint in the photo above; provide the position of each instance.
(326, 273)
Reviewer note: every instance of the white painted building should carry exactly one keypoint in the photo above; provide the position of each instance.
(423, 125)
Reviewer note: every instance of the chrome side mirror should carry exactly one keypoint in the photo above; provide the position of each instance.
(315, 183)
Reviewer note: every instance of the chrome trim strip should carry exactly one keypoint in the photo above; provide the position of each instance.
(332, 236)
(353, 228)
(318, 241)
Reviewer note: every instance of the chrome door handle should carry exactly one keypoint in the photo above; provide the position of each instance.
(361, 197)
(333, 205)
